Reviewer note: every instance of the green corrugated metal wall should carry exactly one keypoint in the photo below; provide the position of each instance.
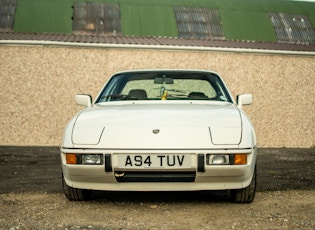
(253, 25)
(148, 20)
(241, 19)
(43, 16)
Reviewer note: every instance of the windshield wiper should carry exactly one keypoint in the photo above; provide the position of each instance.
(177, 90)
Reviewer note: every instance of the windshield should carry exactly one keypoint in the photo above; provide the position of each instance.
(164, 86)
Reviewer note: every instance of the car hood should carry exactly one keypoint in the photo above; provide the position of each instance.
(160, 125)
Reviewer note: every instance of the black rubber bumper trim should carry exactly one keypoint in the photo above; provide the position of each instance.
(156, 177)
(201, 163)
(108, 163)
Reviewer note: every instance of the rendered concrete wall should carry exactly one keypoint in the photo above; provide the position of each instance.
(38, 85)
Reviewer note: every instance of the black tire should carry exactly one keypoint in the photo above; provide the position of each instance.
(75, 194)
(245, 195)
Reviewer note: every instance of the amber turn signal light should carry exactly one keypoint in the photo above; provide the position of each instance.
(240, 159)
(71, 158)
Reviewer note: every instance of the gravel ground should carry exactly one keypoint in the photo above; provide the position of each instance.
(270, 210)
(31, 198)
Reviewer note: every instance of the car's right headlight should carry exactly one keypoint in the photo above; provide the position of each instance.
(84, 159)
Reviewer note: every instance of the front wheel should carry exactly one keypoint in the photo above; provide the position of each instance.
(245, 195)
(75, 194)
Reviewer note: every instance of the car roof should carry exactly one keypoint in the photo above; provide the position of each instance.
(166, 70)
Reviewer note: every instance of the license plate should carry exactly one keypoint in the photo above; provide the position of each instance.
(154, 161)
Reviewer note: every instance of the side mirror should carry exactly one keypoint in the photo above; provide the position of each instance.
(244, 99)
(83, 99)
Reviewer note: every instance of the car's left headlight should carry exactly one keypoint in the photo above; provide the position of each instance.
(226, 159)
(219, 160)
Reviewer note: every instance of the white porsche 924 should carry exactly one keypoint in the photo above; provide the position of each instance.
(160, 130)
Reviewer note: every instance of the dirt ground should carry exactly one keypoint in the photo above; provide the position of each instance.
(31, 197)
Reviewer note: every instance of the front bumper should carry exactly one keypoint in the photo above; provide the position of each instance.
(201, 176)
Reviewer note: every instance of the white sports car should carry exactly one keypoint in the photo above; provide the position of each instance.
(160, 130)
